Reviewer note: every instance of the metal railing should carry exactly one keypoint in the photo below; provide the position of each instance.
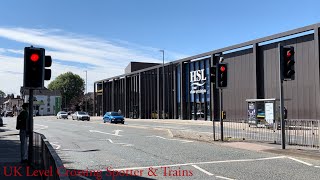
(300, 132)
(44, 157)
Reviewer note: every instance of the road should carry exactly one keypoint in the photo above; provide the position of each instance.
(149, 152)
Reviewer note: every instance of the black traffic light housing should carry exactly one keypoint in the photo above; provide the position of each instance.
(213, 74)
(35, 73)
(287, 63)
(222, 75)
(33, 67)
(216, 58)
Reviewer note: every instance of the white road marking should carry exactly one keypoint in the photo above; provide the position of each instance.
(221, 177)
(199, 163)
(84, 177)
(183, 141)
(124, 144)
(202, 170)
(128, 145)
(87, 126)
(41, 127)
(317, 166)
(116, 132)
(54, 144)
(104, 133)
(308, 164)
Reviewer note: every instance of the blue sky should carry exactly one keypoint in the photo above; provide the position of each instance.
(102, 37)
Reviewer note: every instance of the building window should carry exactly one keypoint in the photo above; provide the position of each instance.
(48, 109)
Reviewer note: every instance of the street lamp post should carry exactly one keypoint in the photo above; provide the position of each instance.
(65, 98)
(86, 91)
(163, 98)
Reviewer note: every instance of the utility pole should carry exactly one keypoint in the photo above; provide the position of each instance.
(163, 84)
(86, 91)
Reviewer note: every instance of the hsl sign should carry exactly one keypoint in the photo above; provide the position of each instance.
(198, 79)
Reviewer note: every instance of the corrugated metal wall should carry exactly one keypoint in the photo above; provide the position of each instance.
(301, 95)
(254, 72)
(241, 83)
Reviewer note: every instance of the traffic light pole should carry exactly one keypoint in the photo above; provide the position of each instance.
(30, 126)
(212, 89)
(220, 115)
(283, 132)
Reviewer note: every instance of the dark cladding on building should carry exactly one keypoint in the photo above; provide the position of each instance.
(253, 71)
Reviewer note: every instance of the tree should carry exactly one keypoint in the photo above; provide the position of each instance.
(87, 103)
(2, 94)
(71, 87)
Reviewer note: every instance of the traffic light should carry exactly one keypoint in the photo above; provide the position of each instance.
(288, 62)
(35, 64)
(222, 75)
(33, 67)
(216, 59)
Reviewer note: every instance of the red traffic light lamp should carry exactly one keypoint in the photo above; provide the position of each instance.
(222, 68)
(34, 57)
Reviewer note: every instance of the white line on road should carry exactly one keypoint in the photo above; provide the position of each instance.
(209, 162)
(54, 144)
(183, 141)
(104, 133)
(317, 166)
(116, 132)
(221, 177)
(87, 126)
(84, 177)
(308, 164)
(123, 144)
(41, 127)
(202, 170)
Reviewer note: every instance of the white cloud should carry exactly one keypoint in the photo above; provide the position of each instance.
(76, 53)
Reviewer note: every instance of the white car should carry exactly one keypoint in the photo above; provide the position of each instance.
(62, 115)
(80, 115)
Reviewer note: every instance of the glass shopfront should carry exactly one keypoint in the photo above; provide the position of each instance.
(196, 90)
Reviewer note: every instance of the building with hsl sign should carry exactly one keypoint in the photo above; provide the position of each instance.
(186, 88)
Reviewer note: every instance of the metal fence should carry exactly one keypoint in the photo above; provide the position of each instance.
(300, 132)
(44, 157)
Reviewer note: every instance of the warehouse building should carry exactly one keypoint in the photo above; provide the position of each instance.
(182, 89)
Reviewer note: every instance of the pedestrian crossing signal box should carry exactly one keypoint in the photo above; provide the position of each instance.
(262, 112)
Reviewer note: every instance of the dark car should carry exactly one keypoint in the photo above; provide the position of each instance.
(8, 113)
(113, 117)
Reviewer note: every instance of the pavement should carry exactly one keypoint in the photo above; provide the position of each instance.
(198, 130)
(10, 166)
